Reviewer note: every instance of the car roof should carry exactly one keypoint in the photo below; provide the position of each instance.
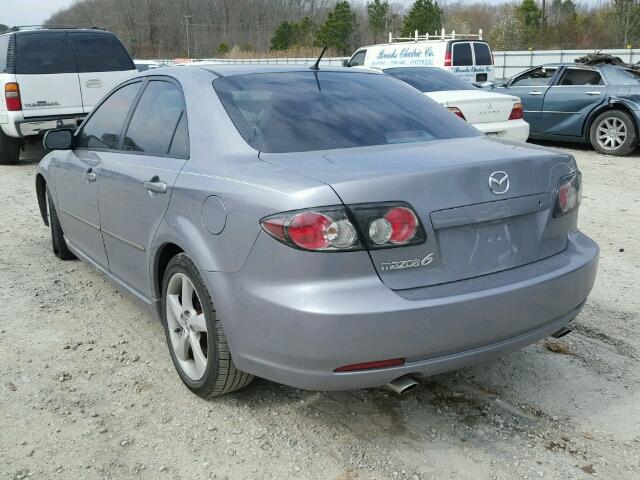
(31, 30)
(229, 70)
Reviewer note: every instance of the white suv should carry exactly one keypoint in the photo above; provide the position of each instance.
(52, 78)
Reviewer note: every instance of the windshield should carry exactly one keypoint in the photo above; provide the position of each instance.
(305, 111)
(429, 79)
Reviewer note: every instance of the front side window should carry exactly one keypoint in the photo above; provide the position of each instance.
(305, 111)
(43, 53)
(102, 130)
(538, 77)
(429, 79)
(462, 54)
(579, 76)
(99, 52)
(358, 59)
(158, 125)
(482, 53)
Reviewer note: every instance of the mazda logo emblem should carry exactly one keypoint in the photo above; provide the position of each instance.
(499, 182)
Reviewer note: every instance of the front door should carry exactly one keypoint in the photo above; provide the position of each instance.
(531, 87)
(568, 102)
(78, 173)
(138, 179)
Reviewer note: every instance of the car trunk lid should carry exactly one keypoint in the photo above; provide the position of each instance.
(477, 106)
(471, 231)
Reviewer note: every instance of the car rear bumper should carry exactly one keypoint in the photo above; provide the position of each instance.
(299, 334)
(16, 125)
(514, 130)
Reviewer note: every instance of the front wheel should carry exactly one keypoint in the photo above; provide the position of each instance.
(194, 333)
(58, 243)
(614, 133)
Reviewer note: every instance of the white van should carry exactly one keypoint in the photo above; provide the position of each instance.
(52, 77)
(468, 56)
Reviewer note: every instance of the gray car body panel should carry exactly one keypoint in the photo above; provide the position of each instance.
(294, 316)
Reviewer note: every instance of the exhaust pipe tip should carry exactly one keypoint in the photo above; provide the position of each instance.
(562, 332)
(402, 385)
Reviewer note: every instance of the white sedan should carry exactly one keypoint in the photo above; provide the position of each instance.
(494, 114)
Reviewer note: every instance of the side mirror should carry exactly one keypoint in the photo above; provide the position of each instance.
(59, 139)
(345, 63)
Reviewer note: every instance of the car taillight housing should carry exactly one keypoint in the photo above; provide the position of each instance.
(355, 227)
(569, 194)
(12, 97)
(447, 59)
(456, 111)
(516, 112)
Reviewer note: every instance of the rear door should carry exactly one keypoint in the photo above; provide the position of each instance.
(462, 60)
(569, 101)
(136, 181)
(483, 62)
(103, 63)
(47, 75)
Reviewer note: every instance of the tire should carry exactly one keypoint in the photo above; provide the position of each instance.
(614, 133)
(58, 243)
(9, 149)
(196, 333)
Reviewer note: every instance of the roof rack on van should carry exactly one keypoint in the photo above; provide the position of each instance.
(441, 36)
(20, 28)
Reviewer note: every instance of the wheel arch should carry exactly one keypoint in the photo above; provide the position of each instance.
(163, 256)
(612, 104)
(41, 193)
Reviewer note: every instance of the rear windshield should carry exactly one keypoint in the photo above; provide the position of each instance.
(429, 79)
(482, 53)
(305, 111)
(97, 52)
(43, 53)
(622, 76)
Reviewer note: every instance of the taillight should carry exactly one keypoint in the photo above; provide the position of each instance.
(456, 111)
(569, 194)
(12, 97)
(447, 59)
(378, 225)
(516, 112)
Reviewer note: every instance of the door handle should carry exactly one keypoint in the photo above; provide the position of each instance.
(594, 93)
(155, 185)
(535, 93)
(91, 177)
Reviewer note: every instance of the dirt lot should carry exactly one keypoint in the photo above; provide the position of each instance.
(88, 390)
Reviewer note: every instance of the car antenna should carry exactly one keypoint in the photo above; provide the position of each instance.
(316, 66)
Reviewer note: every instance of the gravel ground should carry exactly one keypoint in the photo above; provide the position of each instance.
(88, 390)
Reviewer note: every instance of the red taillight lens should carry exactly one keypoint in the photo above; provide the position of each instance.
(447, 59)
(516, 112)
(569, 194)
(318, 229)
(12, 97)
(456, 111)
(404, 224)
(389, 224)
(394, 362)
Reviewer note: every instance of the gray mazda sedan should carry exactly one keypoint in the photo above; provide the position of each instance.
(325, 229)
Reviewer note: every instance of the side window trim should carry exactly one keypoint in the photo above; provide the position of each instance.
(95, 109)
(134, 106)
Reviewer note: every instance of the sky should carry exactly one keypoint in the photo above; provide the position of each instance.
(35, 12)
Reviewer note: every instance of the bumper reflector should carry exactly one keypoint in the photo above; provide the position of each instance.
(394, 362)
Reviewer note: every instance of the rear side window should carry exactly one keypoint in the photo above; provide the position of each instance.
(577, 76)
(482, 53)
(97, 52)
(462, 54)
(4, 50)
(305, 111)
(43, 53)
(158, 122)
(102, 131)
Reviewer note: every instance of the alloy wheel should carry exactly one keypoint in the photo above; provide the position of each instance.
(611, 133)
(187, 326)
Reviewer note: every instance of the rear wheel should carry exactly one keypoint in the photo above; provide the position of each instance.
(194, 333)
(58, 243)
(614, 133)
(9, 149)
